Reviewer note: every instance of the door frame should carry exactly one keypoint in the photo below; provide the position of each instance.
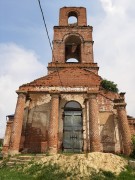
(77, 108)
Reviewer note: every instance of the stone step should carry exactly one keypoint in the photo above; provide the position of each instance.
(40, 155)
(24, 160)
(13, 159)
(10, 163)
(25, 157)
(20, 160)
(21, 163)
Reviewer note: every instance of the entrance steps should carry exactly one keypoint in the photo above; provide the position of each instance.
(20, 160)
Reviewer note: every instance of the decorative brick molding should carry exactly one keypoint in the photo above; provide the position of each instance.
(17, 124)
(53, 124)
(93, 124)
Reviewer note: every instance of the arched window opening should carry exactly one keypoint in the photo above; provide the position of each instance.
(72, 18)
(73, 105)
(73, 48)
(72, 60)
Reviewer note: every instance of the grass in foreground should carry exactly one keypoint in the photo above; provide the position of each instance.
(52, 172)
(128, 174)
(9, 174)
(35, 171)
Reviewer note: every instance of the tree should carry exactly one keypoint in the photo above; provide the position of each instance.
(109, 85)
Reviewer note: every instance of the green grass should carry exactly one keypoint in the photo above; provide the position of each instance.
(37, 171)
(9, 174)
(102, 175)
(128, 174)
(47, 172)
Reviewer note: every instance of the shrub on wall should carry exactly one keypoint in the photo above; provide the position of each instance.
(109, 85)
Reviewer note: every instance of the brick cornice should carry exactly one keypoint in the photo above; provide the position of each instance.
(73, 27)
(70, 65)
(21, 92)
(120, 106)
(54, 94)
(119, 103)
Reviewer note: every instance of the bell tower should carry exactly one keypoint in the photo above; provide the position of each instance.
(73, 41)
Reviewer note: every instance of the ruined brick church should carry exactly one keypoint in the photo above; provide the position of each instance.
(68, 110)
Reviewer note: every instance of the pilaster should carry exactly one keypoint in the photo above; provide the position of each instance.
(86, 129)
(93, 123)
(17, 124)
(7, 137)
(53, 124)
(120, 105)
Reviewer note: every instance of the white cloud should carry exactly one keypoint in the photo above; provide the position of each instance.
(114, 47)
(113, 7)
(17, 66)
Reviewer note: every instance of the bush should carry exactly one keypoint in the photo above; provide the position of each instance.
(109, 85)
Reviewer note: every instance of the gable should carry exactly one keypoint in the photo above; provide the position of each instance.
(67, 77)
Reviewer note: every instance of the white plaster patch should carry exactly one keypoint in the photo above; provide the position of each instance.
(65, 89)
(27, 103)
(39, 99)
(44, 99)
(73, 97)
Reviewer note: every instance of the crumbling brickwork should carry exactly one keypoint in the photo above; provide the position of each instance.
(68, 110)
(17, 124)
(7, 138)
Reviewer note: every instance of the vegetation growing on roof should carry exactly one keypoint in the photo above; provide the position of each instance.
(109, 85)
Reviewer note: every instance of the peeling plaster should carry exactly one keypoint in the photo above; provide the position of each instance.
(72, 97)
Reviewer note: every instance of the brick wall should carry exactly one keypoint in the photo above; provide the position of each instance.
(79, 12)
(85, 35)
(35, 124)
(131, 122)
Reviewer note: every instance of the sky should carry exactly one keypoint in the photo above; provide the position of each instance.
(25, 51)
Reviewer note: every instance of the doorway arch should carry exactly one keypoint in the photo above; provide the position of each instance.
(72, 127)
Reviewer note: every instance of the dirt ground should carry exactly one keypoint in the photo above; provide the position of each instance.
(85, 164)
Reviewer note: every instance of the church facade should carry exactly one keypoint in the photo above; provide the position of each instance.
(68, 110)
